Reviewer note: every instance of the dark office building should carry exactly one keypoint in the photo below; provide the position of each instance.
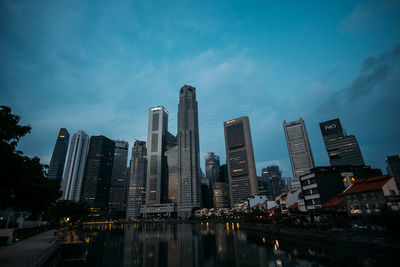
(342, 149)
(223, 174)
(98, 173)
(271, 183)
(323, 183)
(136, 193)
(240, 160)
(393, 168)
(118, 181)
(57, 162)
(188, 151)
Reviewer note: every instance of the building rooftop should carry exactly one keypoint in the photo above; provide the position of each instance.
(337, 200)
(368, 184)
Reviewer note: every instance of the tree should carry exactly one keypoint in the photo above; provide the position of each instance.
(23, 182)
(67, 212)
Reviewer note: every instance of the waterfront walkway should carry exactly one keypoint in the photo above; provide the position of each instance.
(23, 252)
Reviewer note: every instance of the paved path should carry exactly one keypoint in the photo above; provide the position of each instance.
(18, 254)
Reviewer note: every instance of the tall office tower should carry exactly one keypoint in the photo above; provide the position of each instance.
(188, 151)
(299, 148)
(342, 149)
(57, 162)
(116, 203)
(212, 167)
(240, 160)
(393, 168)
(173, 174)
(136, 194)
(98, 173)
(157, 177)
(71, 184)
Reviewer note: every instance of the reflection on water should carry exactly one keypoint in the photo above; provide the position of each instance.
(207, 244)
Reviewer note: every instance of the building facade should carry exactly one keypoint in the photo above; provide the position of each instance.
(240, 160)
(188, 151)
(157, 178)
(323, 183)
(300, 154)
(116, 203)
(221, 195)
(367, 195)
(342, 149)
(98, 173)
(57, 162)
(212, 167)
(136, 193)
(71, 184)
(393, 168)
(173, 174)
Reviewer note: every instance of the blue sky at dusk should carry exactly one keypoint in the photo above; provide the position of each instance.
(98, 66)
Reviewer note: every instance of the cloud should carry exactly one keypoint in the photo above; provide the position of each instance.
(372, 16)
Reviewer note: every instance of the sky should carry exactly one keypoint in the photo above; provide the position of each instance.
(98, 66)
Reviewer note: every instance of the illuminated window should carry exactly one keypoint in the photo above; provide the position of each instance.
(344, 180)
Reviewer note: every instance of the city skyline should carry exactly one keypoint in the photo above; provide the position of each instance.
(348, 63)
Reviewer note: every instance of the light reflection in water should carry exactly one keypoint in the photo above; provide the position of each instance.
(207, 244)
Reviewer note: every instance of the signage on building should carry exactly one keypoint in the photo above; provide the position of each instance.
(332, 127)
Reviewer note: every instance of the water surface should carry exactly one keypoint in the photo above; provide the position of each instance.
(164, 244)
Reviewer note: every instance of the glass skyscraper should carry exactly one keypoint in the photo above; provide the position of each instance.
(342, 149)
(188, 151)
(136, 193)
(116, 202)
(97, 180)
(57, 162)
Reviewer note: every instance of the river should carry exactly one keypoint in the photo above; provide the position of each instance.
(166, 244)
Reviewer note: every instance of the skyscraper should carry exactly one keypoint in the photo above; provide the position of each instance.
(57, 162)
(98, 173)
(157, 178)
(188, 151)
(173, 174)
(116, 202)
(271, 181)
(137, 180)
(299, 148)
(240, 160)
(342, 149)
(212, 167)
(71, 184)
(393, 168)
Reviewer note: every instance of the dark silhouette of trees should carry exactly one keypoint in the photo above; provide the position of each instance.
(23, 182)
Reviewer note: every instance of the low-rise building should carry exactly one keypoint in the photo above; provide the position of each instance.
(365, 196)
(323, 183)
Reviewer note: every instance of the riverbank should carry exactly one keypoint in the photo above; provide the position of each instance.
(346, 238)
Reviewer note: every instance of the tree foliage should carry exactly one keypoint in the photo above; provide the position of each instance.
(59, 211)
(23, 181)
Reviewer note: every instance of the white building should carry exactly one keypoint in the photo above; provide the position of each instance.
(71, 183)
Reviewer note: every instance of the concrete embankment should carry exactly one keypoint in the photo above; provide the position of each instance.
(342, 237)
(31, 251)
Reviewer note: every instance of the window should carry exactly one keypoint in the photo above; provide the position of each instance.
(372, 195)
(363, 197)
